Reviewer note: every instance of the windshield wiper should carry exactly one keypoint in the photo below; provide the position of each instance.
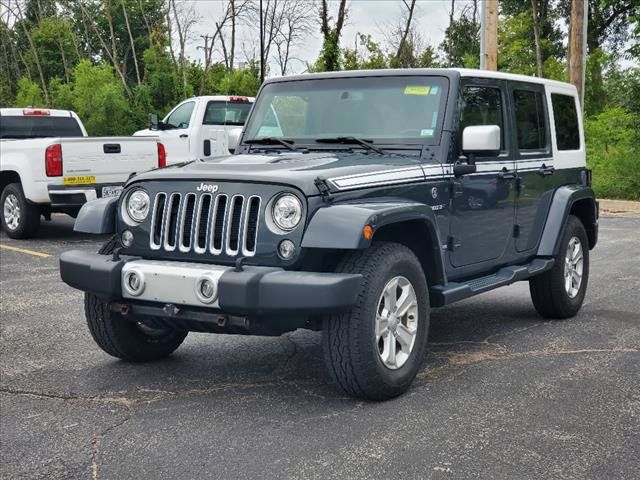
(272, 141)
(368, 144)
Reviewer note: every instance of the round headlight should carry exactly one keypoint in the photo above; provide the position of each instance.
(287, 212)
(138, 205)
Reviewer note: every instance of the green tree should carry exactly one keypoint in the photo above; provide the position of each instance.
(29, 94)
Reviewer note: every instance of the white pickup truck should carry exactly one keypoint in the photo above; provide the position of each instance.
(48, 164)
(201, 127)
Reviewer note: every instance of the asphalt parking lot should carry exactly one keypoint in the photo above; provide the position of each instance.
(503, 394)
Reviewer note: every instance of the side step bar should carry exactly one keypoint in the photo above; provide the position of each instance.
(453, 291)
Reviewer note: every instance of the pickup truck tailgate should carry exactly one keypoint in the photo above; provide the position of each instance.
(109, 159)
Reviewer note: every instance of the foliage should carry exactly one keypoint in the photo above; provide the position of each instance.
(612, 153)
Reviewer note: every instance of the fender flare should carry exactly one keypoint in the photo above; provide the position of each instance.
(97, 216)
(339, 227)
(563, 200)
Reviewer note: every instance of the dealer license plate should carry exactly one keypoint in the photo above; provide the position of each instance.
(111, 191)
(79, 180)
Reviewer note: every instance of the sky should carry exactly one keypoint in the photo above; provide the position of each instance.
(370, 16)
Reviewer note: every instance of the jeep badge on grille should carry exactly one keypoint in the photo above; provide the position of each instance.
(207, 187)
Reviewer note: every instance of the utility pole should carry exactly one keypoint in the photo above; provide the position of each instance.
(489, 35)
(578, 46)
(261, 45)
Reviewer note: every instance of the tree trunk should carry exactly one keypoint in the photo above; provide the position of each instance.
(36, 58)
(407, 27)
(576, 50)
(133, 46)
(536, 35)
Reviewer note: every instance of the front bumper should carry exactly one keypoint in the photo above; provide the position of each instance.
(254, 291)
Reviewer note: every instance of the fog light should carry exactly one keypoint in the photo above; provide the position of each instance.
(127, 238)
(206, 290)
(134, 282)
(286, 249)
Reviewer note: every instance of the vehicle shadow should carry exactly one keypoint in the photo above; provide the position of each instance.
(210, 364)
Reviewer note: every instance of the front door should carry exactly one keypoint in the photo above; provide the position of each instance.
(535, 164)
(482, 207)
(176, 138)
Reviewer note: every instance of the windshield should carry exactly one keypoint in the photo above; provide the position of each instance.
(226, 113)
(38, 127)
(385, 110)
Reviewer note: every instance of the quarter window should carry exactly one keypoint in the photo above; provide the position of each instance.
(482, 106)
(530, 122)
(181, 116)
(565, 118)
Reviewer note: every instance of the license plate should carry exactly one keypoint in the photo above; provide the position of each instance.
(79, 180)
(111, 191)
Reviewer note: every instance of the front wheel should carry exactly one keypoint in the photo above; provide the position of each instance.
(558, 293)
(126, 338)
(375, 351)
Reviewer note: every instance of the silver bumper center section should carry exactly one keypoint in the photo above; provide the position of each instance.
(181, 283)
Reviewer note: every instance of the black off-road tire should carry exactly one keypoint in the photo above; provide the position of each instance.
(122, 337)
(29, 217)
(349, 345)
(548, 293)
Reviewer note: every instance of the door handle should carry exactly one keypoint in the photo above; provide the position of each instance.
(184, 135)
(544, 170)
(507, 174)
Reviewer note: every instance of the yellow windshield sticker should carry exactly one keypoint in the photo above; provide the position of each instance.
(417, 90)
(79, 180)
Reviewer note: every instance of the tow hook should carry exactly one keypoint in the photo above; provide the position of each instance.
(170, 309)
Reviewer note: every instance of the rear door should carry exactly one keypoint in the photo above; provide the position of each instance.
(483, 202)
(535, 165)
(222, 123)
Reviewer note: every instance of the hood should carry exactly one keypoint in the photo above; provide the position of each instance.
(291, 168)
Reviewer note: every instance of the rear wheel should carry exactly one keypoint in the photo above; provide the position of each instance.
(127, 338)
(375, 351)
(559, 292)
(20, 219)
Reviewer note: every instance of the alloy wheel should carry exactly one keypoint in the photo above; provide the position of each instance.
(11, 210)
(396, 322)
(573, 267)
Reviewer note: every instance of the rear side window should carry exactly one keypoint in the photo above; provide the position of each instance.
(33, 126)
(226, 113)
(566, 121)
(482, 106)
(181, 116)
(530, 120)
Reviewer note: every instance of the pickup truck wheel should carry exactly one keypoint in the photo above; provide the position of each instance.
(20, 219)
(375, 351)
(125, 338)
(559, 292)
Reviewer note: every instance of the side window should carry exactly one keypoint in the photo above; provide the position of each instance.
(482, 106)
(566, 121)
(530, 120)
(181, 116)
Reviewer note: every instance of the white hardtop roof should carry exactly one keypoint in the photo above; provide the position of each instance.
(469, 72)
(19, 112)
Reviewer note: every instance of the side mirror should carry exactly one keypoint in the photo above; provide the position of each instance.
(481, 140)
(153, 121)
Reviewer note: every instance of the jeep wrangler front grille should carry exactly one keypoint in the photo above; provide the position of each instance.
(205, 223)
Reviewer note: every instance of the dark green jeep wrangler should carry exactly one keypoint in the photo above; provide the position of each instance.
(354, 203)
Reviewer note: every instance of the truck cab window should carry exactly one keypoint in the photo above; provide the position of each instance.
(482, 106)
(181, 116)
